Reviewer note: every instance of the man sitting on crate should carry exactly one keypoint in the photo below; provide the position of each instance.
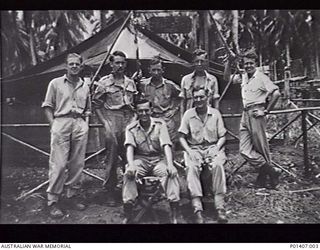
(147, 142)
(202, 137)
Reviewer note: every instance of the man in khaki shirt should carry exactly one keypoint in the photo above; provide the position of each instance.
(66, 105)
(149, 153)
(203, 137)
(112, 100)
(199, 78)
(164, 96)
(256, 87)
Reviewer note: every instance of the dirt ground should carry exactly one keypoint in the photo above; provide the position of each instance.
(244, 204)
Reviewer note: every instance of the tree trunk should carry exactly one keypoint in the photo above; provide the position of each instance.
(235, 29)
(32, 45)
(316, 47)
(288, 54)
(260, 59)
(206, 32)
(275, 70)
(194, 32)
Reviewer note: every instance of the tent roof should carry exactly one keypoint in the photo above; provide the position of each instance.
(94, 50)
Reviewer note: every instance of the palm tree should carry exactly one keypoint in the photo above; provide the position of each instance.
(66, 29)
(15, 43)
(32, 36)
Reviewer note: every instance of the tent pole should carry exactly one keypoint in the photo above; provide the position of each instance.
(230, 52)
(112, 45)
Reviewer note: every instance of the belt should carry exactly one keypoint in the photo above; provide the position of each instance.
(203, 145)
(253, 106)
(71, 115)
(149, 154)
(123, 108)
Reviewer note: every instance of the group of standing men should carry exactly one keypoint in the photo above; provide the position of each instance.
(146, 131)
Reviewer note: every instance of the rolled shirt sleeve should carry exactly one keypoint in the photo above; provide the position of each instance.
(220, 125)
(176, 91)
(97, 98)
(129, 140)
(88, 108)
(50, 98)
(164, 136)
(182, 93)
(268, 84)
(184, 128)
(215, 88)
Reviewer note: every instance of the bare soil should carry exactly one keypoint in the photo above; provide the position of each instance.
(243, 204)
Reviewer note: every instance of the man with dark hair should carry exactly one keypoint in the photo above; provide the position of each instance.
(66, 105)
(147, 142)
(164, 96)
(199, 78)
(202, 138)
(256, 87)
(113, 99)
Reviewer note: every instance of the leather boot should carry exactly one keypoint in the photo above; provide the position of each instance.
(128, 213)
(222, 217)
(55, 211)
(274, 177)
(174, 212)
(199, 218)
(261, 180)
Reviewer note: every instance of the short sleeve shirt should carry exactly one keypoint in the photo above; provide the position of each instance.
(149, 142)
(164, 97)
(256, 89)
(64, 97)
(188, 83)
(200, 133)
(113, 95)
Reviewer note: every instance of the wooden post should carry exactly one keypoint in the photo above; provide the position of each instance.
(287, 76)
(286, 98)
(305, 143)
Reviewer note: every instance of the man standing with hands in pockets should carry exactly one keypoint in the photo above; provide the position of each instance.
(66, 105)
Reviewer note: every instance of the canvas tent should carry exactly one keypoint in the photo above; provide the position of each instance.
(29, 86)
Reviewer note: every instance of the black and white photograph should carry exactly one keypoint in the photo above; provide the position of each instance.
(160, 116)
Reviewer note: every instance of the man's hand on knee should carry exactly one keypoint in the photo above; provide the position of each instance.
(258, 113)
(172, 171)
(195, 155)
(131, 172)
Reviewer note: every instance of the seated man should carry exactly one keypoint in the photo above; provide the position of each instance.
(202, 137)
(147, 141)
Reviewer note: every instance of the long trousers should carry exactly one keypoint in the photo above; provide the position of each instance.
(114, 139)
(67, 154)
(254, 146)
(216, 160)
(150, 166)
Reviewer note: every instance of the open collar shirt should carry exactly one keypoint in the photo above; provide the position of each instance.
(64, 97)
(151, 142)
(188, 83)
(200, 132)
(256, 89)
(113, 95)
(163, 97)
